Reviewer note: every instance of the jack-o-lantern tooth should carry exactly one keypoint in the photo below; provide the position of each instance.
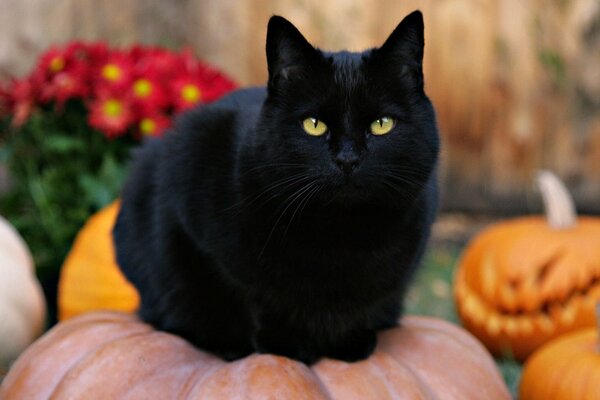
(511, 326)
(493, 325)
(569, 312)
(525, 326)
(544, 323)
(473, 307)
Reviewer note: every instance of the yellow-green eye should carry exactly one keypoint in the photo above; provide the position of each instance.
(382, 126)
(314, 127)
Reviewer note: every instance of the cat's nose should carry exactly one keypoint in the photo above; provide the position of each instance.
(347, 163)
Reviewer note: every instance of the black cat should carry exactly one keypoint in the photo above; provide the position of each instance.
(290, 219)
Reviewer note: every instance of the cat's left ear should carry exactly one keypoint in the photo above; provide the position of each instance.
(288, 52)
(404, 47)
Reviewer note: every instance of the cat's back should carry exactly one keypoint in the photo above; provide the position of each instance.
(244, 99)
(199, 152)
(241, 108)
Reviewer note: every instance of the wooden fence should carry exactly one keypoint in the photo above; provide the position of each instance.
(516, 83)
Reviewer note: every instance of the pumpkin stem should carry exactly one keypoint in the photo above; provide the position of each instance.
(559, 205)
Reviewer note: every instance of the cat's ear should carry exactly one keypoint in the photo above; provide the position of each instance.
(404, 47)
(288, 52)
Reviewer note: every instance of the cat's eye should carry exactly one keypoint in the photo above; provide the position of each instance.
(314, 127)
(382, 126)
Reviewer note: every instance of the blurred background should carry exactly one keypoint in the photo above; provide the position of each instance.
(516, 84)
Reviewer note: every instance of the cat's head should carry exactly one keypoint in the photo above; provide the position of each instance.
(354, 125)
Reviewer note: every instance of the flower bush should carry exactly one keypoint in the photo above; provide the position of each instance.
(67, 128)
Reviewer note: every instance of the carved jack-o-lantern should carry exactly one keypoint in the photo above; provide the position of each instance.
(525, 281)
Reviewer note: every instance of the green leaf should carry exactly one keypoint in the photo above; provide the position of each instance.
(64, 144)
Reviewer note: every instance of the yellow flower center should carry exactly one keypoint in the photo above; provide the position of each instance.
(190, 93)
(113, 108)
(57, 64)
(142, 88)
(147, 126)
(111, 72)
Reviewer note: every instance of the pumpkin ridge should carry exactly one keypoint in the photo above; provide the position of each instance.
(381, 372)
(205, 377)
(402, 344)
(191, 383)
(428, 323)
(49, 344)
(349, 380)
(74, 374)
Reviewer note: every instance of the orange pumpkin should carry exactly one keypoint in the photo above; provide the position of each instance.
(112, 355)
(565, 368)
(90, 278)
(525, 281)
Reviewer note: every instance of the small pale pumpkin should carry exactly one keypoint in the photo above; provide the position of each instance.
(22, 304)
(566, 368)
(525, 281)
(90, 278)
(112, 355)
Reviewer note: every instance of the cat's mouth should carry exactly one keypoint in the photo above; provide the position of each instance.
(350, 189)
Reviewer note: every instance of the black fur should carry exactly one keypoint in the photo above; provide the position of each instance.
(242, 233)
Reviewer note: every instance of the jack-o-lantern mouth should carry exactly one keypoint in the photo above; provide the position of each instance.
(497, 320)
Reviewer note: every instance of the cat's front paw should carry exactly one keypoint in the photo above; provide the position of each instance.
(292, 347)
(355, 347)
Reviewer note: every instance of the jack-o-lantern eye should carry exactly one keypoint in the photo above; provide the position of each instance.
(314, 127)
(382, 126)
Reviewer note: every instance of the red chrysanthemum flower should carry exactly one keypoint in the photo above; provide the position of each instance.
(93, 53)
(52, 62)
(148, 95)
(115, 73)
(153, 125)
(111, 115)
(70, 83)
(22, 97)
(186, 92)
(214, 83)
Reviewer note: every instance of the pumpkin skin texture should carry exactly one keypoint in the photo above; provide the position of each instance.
(114, 355)
(22, 304)
(90, 278)
(521, 283)
(567, 368)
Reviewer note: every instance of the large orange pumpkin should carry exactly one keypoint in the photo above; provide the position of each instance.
(90, 278)
(525, 281)
(566, 368)
(110, 355)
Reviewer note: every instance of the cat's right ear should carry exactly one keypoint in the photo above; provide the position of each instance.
(288, 52)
